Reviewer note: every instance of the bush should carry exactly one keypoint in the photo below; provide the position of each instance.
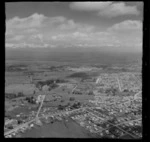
(13, 95)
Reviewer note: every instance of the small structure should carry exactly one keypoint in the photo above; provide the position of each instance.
(38, 122)
(39, 99)
(45, 88)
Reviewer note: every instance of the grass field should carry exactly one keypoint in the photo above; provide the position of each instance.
(59, 129)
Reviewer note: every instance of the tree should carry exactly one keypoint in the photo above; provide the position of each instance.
(79, 104)
(72, 99)
(68, 104)
(20, 121)
(76, 105)
(20, 94)
(60, 107)
(90, 93)
(31, 100)
(10, 127)
(125, 90)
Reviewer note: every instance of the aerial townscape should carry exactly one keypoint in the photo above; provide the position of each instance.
(104, 105)
(73, 70)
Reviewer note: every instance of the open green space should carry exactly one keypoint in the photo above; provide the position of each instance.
(59, 129)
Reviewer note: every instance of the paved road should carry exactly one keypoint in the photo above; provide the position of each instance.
(40, 106)
(74, 88)
(119, 84)
(98, 80)
(135, 96)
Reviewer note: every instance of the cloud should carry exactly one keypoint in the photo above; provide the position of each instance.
(8, 33)
(17, 37)
(70, 24)
(32, 21)
(89, 6)
(10, 45)
(32, 27)
(30, 30)
(73, 36)
(37, 37)
(24, 44)
(39, 22)
(56, 31)
(107, 9)
(90, 39)
(128, 32)
(117, 9)
(128, 25)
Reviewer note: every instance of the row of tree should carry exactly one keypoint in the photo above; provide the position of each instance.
(31, 100)
(76, 105)
(51, 83)
(14, 95)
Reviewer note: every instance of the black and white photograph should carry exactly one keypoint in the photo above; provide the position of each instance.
(73, 69)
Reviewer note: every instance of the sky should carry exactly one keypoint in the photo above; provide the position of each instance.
(114, 26)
